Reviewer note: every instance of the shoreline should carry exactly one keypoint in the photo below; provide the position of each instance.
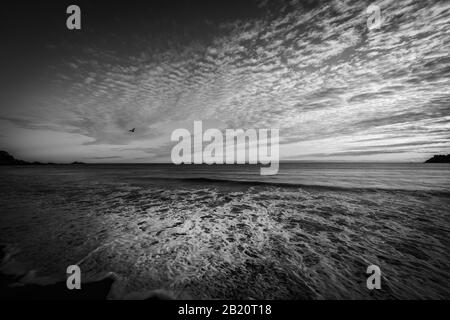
(24, 285)
(19, 286)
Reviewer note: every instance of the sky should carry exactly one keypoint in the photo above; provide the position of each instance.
(336, 90)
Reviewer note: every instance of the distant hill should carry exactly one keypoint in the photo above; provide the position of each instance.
(439, 158)
(8, 160)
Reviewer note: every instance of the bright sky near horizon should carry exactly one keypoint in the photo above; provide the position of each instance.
(336, 90)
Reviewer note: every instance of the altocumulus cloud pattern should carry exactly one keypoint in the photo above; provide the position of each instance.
(334, 88)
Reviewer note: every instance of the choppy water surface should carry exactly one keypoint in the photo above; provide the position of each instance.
(226, 232)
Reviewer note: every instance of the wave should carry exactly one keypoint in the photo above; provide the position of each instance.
(295, 185)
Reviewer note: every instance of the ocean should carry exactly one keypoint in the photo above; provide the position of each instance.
(225, 232)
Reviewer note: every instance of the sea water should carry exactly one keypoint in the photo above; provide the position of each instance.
(199, 231)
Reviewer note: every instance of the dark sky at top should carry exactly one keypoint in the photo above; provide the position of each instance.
(35, 33)
(336, 90)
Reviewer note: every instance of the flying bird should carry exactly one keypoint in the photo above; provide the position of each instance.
(132, 130)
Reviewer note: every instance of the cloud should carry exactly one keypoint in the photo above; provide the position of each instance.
(316, 72)
(103, 158)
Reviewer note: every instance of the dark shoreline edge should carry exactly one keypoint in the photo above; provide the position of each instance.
(12, 286)
(18, 284)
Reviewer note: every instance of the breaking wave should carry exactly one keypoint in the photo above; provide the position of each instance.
(294, 185)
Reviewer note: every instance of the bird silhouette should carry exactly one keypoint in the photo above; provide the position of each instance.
(132, 130)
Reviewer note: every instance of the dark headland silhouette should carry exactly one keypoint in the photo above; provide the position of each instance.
(439, 158)
(8, 160)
